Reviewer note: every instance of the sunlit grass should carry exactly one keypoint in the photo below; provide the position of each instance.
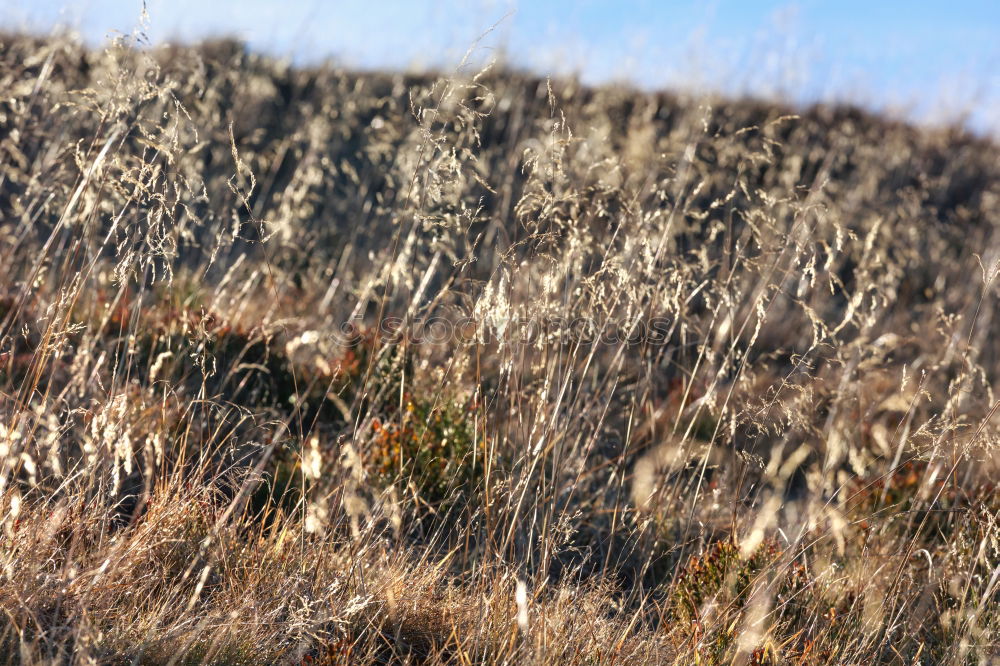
(317, 367)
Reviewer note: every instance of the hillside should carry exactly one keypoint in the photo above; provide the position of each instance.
(319, 366)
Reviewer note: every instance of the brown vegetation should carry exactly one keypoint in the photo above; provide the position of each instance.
(308, 366)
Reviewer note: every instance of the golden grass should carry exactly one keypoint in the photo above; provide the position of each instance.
(307, 366)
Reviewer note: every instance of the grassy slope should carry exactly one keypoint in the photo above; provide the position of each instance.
(308, 366)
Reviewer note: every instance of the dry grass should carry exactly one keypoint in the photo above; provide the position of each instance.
(314, 367)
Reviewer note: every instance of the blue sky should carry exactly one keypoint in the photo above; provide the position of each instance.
(929, 60)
